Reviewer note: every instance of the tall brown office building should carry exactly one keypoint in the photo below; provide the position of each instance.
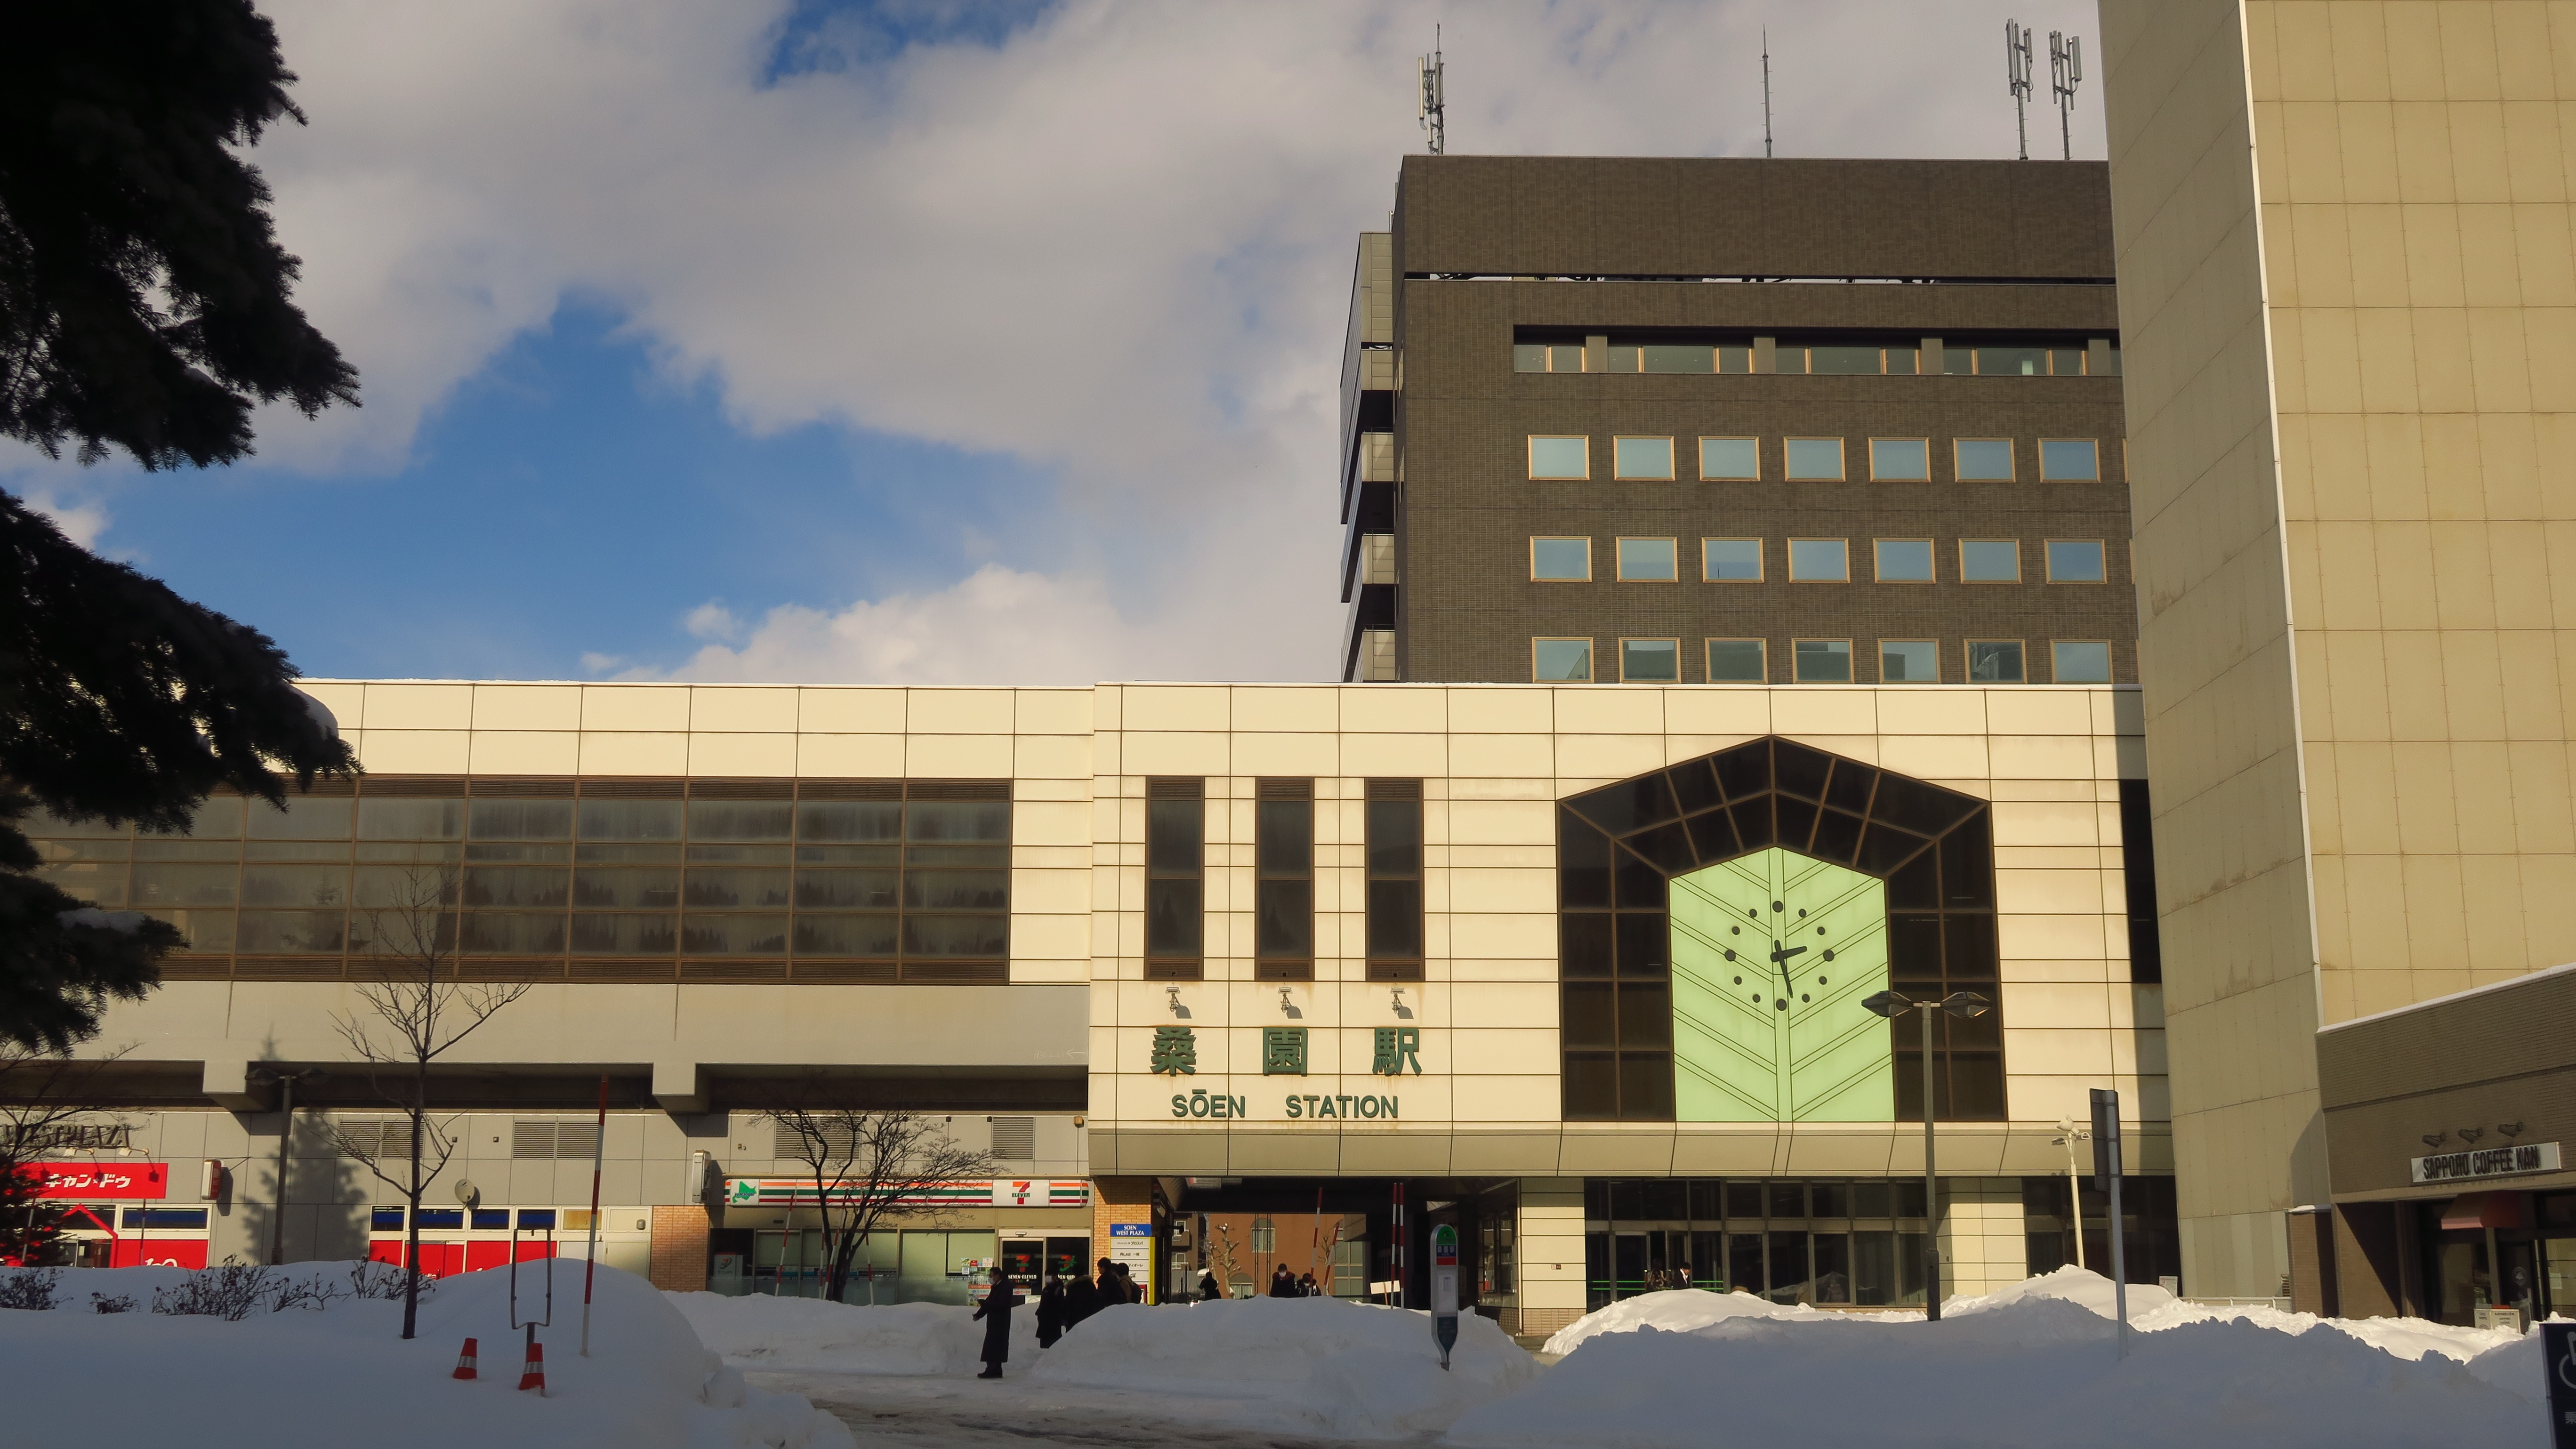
(1737, 421)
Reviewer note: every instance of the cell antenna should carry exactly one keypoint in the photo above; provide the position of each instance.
(2065, 72)
(1435, 109)
(2017, 76)
(1766, 90)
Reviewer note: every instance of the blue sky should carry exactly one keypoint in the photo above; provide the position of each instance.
(902, 342)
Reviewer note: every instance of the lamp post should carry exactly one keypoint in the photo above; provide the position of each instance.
(1961, 1004)
(2068, 1135)
(285, 1139)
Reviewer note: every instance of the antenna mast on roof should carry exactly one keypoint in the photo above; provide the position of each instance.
(2065, 72)
(2017, 77)
(1435, 109)
(1766, 90)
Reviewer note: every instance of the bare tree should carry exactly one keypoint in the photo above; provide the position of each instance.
(869, 1167)
(45, 1099)
(418, 1008)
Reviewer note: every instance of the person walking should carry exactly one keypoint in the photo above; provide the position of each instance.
(1306, 1287)
(995, 1310)
(1129, 1289)
(1209, 1292)
(1051, 1311)
(1079, 1301)
(1281, 1285)
(1110, 1289)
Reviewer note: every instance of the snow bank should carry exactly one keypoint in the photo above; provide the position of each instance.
(340, 1374)
(1675, 1310)
(2030, 1367)
(814, 1336)
(1295, 1365)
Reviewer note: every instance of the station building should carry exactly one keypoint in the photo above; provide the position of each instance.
(1235, 966)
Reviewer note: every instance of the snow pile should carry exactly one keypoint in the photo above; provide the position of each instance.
(1675, 1310)
(339, 1374)
(811, 1335)
(1295, 1365)
(2076, 1285)
(2032, 1366)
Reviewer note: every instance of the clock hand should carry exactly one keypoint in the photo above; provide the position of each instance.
(1780, 954)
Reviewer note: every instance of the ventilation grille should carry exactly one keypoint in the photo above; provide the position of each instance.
(375, 1139)
(1015, 1139)
(1285, 789)
(557, 1141)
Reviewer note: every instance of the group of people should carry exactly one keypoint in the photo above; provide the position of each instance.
(1283, 1284)
(1061, 1305)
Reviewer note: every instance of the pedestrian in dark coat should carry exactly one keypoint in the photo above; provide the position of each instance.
(1209, 1292)
(1111, 1288)
(1306, 1287)
(1051, 1312)
(1281, 1285)
(1079, 1301)
(995, 1310)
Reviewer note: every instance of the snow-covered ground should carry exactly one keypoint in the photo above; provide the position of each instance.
(340, 1375)
(2035, 1365)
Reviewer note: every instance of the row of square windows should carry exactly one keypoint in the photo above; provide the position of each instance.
(1995, 360)
(1817, 560)
(1822, 661)
(1567, 458)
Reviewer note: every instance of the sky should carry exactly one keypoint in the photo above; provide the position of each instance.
(905, 343)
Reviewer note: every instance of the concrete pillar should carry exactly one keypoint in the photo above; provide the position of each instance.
(1550, 1242)
(1982, 1242)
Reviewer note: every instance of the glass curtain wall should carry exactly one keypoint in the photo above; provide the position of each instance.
(1835, 1241)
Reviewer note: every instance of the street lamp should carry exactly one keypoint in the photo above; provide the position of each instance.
(2068, 1135)
(285, 1137)
(1962, 1004)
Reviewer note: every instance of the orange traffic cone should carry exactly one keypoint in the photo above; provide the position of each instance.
(534, 1375)
(465, 1361)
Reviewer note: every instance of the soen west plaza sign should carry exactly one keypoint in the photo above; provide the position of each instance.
(1394, 1050)
(2508, 1161)
(967, 1192)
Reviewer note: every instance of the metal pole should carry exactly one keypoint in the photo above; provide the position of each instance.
(2119, 1263)
(590, 1267)
(2075, 1196)
(285, 1138)
(1931, 1183)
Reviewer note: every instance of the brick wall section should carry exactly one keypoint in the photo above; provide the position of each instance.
(1119, 1200)
(680, 1248)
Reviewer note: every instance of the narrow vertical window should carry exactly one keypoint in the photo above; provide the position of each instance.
(1175, 879)
(1283, 831)
(1395, 880)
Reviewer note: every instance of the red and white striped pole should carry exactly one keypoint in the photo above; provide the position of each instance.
(590, 1268)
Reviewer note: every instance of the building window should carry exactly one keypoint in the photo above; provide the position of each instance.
(1822, 661)
(1561, 661)
(1561, 560)
(2069, 460)
(1737, 661)
(2014, 359)
(1265, 1236)
(1909, 661)
(1175, 879)
(1560, 459)
(1650, 661)
(2079, 661)
(1642, 459)
(1547, 357)
(1841, 360)
(1904, 560)
(1989, 561)
(1730, 560)
(2075, 561)
(1283, 831)
(1814, 460)
(1982, 460)
(1394, 880)
(1649, 561)
(1662, 357)
(1819, 561)
(1994, 661)
(1730, 460)
(1900, 460)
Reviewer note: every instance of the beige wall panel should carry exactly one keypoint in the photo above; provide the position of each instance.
(937, 756)
(1168, 707)
(827, 710)
(743, 709)
(1500, 711)
(1610, 711)
(527, 706)
(752, 755)
(1395, 755)
(524, 752)
(1286, 754)
(959, 711)
(1744, 1152)
(409, 706)
(1729, 712)
(1284, 708)
(1814, 711)
(610, 752)
(1051, 711)
(1051, 757)
(412, 752)
(865, 757)
(347, 701)
(1407, 709)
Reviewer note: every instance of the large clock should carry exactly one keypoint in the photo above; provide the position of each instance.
(1773, 953)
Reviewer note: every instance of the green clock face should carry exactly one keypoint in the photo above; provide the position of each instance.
(1773, 954)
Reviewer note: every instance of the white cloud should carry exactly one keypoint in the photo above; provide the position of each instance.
(81, 521)
(1116, 246)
